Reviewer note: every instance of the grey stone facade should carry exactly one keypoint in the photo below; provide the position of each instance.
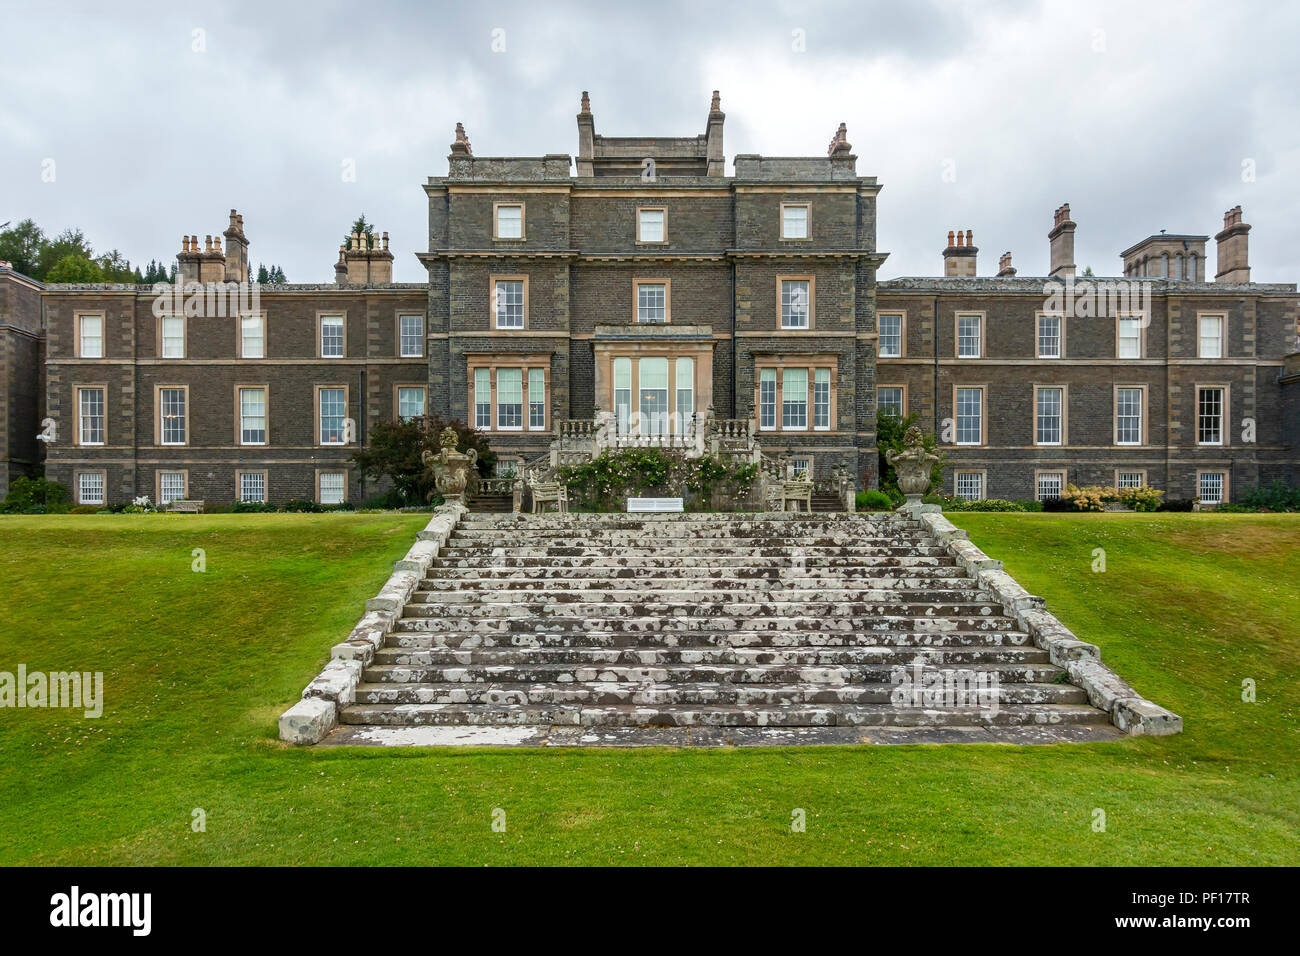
(576, 255)
(22, 356)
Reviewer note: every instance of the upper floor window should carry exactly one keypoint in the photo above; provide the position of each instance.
(969, 404)
(482, 398)
(891, 335)
(411, 336)
(796, 302)
(252, 416)
(1128, 416)
(332, 403)
(794, 221)
(1049, 403)
(172, 336)
(651, 300)
(510, 301)
(1210, 337)
(1049, 336)
(651, 224)
(173, 418)
(1210, 402)
(970, 335)
(90, 416)
(1128, 336)
(252, 336)
(410, 402)
(90, 336)
(509, 222)
(331, 336)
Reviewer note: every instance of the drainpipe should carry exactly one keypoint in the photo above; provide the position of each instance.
(361, 421)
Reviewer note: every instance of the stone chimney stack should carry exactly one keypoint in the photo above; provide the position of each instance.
(1005, 268)
(713, 136)
(959, 257)
(365, 260)
(1062, 244)
(1234, 257)
(586, 136)
(461, 146)
(236, 262)
(195, 263)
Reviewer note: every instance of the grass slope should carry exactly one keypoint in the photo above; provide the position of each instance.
(198, 667)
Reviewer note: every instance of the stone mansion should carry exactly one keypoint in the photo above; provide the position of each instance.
(640, 284)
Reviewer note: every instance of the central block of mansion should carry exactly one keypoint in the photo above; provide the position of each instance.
(642, 284)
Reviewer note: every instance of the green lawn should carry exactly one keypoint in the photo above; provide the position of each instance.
(199, 665)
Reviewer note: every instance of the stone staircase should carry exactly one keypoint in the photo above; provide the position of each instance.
(707, 628)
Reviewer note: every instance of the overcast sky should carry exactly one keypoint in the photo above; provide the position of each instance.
(1143, 116)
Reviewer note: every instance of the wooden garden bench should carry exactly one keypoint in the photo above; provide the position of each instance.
(187, 506)
(793, 492)
(550, 492)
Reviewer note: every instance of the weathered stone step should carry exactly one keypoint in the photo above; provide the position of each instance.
(693, 692)
(940, 575)
(462, 639)
(673, 562)
(544, 611)
(737, 656)
(559, 672)
(561, 592)
(679, 624)
(668, 550)
(489, 537)
(690, 518)
(686, 715)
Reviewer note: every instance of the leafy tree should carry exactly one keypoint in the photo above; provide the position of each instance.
(75, 268)
(70, 242)
(890, 429)
(394, 451)
(21, 245)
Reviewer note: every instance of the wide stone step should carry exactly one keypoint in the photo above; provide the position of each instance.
(669, 550)
(940, 576)
(544, 610)
(679, 624)
(738, 656)
(673, 562)
(560, 672)
(488, 537)
(683, 520)
(406, 638)
(687, 715)
(561, 592)
(696, 692)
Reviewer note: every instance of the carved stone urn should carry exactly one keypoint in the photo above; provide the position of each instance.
(451, 468)
(912, 465)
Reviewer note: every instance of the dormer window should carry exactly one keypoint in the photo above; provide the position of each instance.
(651, 224)
(509, 221)
(794, 220)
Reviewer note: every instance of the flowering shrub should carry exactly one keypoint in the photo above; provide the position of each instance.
(602, 483)
(1093, 497)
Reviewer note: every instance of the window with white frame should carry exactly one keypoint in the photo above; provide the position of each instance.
(970, 337)
(252, 486)
(1211, 336)
(889, 399)
(90, 488)
(623, 394)
(969, 485)
(171, 487)
(411, 333)
(822, 399)
(173, 336)
(1130, 479)
(331, 336)
(507, 467)
(1051, 414)
(652, 393)
(684, 375)
(796, 299)
(333, 412)
(652, 302)
(90, 416)
(333, 487)
(537, 398)
(794, 398)
(970, 416)
(510, 399)
(891, 335)
(1210, 487)
(510, 221)
(252, 336)
(650, 225)
(1050, 484)
(252, 416)
(509, 303)
(172, 418)
(794, 221)
(1129, 341)
(482, 398)
(1049, 336)
(1209, 416)
(410, 402)
(1128, 416)
(767, 398)
(801, 467)
(92, 336)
